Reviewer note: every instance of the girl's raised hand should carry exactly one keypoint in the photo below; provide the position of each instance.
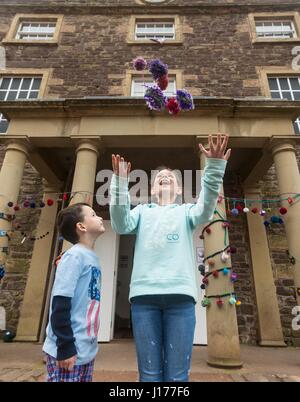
(218, 149)
(120, 166)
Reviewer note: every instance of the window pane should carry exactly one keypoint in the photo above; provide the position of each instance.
(296, 95)
(16, 83)
(273, 84)
(295, 84)
(286, 95)
(3, 126)
(2, 95)
(26, 83)
(33, 95)
(5, 83)
(275, 95)
(22, 95)
(283, 82)
(36, 83)
(12, 95)
(297, 126)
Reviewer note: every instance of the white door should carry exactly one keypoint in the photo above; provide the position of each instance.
(200, 337)
(107, 248)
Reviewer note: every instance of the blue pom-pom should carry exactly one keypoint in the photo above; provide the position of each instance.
(267, 224)
(235, 211)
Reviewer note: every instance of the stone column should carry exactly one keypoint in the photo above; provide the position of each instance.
(33, 302)
(10, 182)
(222, 328)
(287, 171)
(270, 330)
(84, 175)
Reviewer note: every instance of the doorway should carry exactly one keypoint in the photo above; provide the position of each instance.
(123, 327)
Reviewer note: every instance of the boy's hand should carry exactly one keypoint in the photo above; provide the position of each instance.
(67, 364)
(120, 166)
(217, 150)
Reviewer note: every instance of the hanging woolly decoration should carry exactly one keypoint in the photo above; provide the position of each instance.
(172, 106)
(155, 98)
(185, 100)
(139, 64)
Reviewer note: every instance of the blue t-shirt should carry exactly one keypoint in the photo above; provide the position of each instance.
(78, 276)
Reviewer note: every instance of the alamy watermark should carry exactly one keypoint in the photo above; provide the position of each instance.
(296, 320)
(296, 59)
(140, 185)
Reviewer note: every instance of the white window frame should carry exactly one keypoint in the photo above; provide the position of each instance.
(37, 30)
(148, 80)
(155, 30)
(290, 90)
(272, 32)
(18, 90)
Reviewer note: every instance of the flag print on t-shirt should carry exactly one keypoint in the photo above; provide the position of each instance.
(93, 310)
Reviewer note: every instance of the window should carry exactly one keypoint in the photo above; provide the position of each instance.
(34, 28)
(275, 29)
(286, 88)
(3, 124)
(272, 27)
(17, 88)
(138, 88)
(155, 30)
(297, 125)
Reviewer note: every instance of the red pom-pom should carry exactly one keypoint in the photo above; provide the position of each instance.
(172, 106)
(16, 208)
(283, 211)
(65, 197)
(50, 202)
(220, 302)
(215, 274)
(239, 207)
(163, 82)
(254, 210)
(208, 230)
(290, 200)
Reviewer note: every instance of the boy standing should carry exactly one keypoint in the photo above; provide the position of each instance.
(71, 342)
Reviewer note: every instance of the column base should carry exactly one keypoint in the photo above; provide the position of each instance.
(219, 363)
(277, 344)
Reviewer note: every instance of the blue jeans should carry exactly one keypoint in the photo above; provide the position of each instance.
(163, 328)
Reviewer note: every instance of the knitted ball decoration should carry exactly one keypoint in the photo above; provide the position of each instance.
(158, 69)
(155, 98)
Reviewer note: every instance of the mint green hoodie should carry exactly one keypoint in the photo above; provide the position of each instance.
(164, 260)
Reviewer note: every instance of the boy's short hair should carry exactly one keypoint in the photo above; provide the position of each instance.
(67, 220)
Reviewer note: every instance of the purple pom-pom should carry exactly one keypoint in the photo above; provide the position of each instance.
(155, 98)
(184, 99)
(139, 64)
(158, 69)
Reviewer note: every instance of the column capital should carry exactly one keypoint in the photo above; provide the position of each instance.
(18, 145)
(281, 144)
(93, 143)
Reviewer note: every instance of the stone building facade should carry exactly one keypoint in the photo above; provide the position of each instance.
(217, 54)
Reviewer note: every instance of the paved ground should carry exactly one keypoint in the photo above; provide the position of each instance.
(116, 362)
